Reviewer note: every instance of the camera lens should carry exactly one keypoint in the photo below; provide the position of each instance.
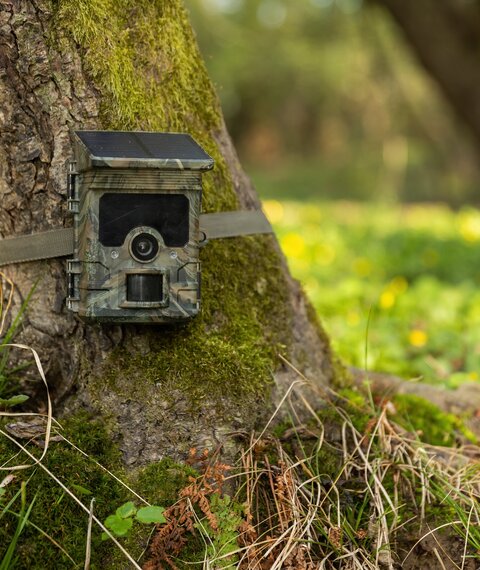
(144, 247)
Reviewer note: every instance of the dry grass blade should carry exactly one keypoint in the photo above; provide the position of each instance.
(48, 427)
(88, 550)
(6, 299)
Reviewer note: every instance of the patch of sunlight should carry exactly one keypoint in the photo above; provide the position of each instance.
(274, 210)
(469, 225)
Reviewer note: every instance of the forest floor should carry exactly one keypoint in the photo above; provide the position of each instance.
(386, 475)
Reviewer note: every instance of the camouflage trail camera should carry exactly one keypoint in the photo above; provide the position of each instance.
(136, 201)
(138, 228)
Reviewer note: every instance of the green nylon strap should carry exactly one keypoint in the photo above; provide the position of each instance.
(58, 243)
(42, 245)
(233, 224)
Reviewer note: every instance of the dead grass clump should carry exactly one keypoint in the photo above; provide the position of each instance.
(370, 496)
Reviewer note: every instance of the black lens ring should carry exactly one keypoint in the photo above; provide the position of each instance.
(137, 244)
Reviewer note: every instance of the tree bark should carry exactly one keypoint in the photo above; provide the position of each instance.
(445, 36)
(105, 64)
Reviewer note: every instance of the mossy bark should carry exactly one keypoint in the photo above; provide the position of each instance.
(115, 64)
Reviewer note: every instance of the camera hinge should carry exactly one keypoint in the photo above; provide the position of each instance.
(73, 271)
(72, 195)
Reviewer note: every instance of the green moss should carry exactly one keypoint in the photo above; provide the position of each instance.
(355, 404)
(328, 462)
(58, 515)
(229, 352)
(353, 397)
(430, 423)
(54, 511)
(279, 429)
(143, 60)
(342, 377)
(161, 482)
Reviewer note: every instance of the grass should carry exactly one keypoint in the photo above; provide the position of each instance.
(360, 484)
(8, 558)
(412, 271)
(9, 374)
(354, 500)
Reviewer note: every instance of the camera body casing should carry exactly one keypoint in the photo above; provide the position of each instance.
(136, 200)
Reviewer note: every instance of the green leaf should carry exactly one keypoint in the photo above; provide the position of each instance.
(118, 526)
(151, 514)
(81, 489)
(13, 401)
(126, 510)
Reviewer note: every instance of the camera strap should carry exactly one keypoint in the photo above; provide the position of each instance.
(59, 243)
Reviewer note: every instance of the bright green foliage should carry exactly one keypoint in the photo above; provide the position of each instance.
(151, 514)
(408, 274)
(118, 525)
(13, 401)
(121, 522)
(126, 510)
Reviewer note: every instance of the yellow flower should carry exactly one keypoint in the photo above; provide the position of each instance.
(293, 245)
(387, 299)
(473, 375)
(274, 211)
(417, 338)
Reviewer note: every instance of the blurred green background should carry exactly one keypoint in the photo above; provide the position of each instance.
(365, 172)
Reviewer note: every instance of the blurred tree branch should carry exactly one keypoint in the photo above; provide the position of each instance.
(445, 35)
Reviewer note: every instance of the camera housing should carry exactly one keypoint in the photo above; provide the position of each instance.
(136, 201)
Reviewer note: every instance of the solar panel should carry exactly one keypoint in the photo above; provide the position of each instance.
(138, 145)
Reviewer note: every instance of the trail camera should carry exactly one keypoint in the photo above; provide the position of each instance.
(138, 227)
(136, 202)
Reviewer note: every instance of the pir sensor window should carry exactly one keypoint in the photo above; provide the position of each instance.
(120, 213)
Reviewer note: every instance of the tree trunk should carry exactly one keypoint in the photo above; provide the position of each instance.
(445, 35)
(115, 64)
